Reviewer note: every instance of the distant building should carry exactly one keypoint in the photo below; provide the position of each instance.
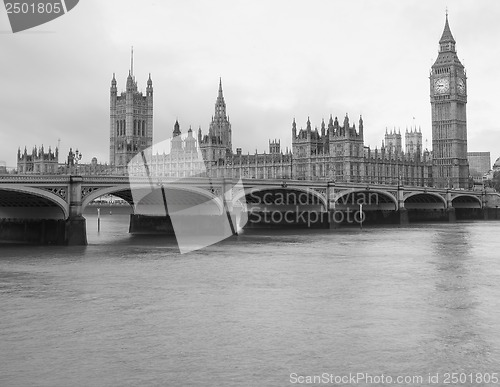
(179, 158)
(491, 173)
(479, 163)
(413, 141)
(393, 141)
(131, 121)
(336, 152)
(211, 155)
(37, 162)
(448, 87)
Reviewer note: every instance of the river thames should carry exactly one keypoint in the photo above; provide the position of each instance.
(265, 308)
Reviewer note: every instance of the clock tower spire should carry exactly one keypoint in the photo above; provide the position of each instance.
(449, 120)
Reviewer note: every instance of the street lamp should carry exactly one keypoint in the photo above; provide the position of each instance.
(78, 157)
(73, 158)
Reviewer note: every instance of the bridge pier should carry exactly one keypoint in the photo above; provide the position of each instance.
(75, 231)
(403, 216)
(69, 232)
(452, 216)
(144, 224)
(450, 210)
(333, 224)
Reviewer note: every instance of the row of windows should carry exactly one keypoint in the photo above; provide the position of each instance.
(123, 111)
(444, 70)
(139, 128)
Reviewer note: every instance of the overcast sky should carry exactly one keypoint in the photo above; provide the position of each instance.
(277, 59)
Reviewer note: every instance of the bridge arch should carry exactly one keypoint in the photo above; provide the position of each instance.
(425, 200)
(16, 202)
(372, 199)
(279, 194)
(178, 196)
(466, 201)
(122, 192)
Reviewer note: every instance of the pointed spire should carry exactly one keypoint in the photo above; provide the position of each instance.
(346, 121)
(447, 37)
(132, 60)
(177, 130)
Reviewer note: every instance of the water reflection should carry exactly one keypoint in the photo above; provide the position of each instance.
(252, 309)
(455, 321)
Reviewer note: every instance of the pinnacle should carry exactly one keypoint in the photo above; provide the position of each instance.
(447, 36)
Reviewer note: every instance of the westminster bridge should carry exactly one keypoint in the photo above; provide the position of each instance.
(49, 209)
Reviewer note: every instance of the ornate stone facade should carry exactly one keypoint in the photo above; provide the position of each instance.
(37, 162)
(448, 90)
(336, 151)
(131, 121)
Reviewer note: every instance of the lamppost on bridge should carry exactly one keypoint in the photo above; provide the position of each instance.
(73, 159)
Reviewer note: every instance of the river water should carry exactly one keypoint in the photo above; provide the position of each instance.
(261, 309)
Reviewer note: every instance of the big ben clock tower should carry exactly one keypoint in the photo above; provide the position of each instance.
(448, 85)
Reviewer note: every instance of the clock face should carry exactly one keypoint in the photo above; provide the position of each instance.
(461, 86)
(441, 85)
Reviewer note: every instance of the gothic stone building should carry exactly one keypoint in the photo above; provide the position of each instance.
(131, 121)
(449, 123)
(335, 152)
(37, 162)
(211, 155)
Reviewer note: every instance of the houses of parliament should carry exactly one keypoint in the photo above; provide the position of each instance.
(332, 150)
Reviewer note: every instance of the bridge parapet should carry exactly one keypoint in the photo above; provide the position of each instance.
(71, 193)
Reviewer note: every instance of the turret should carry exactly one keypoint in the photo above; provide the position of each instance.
(113, 89)
(149, 88)
(176, 138)
(190, 141)
(346, 125)
(331, 130)
(177, 130)
(130, 83)
(447, 42)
